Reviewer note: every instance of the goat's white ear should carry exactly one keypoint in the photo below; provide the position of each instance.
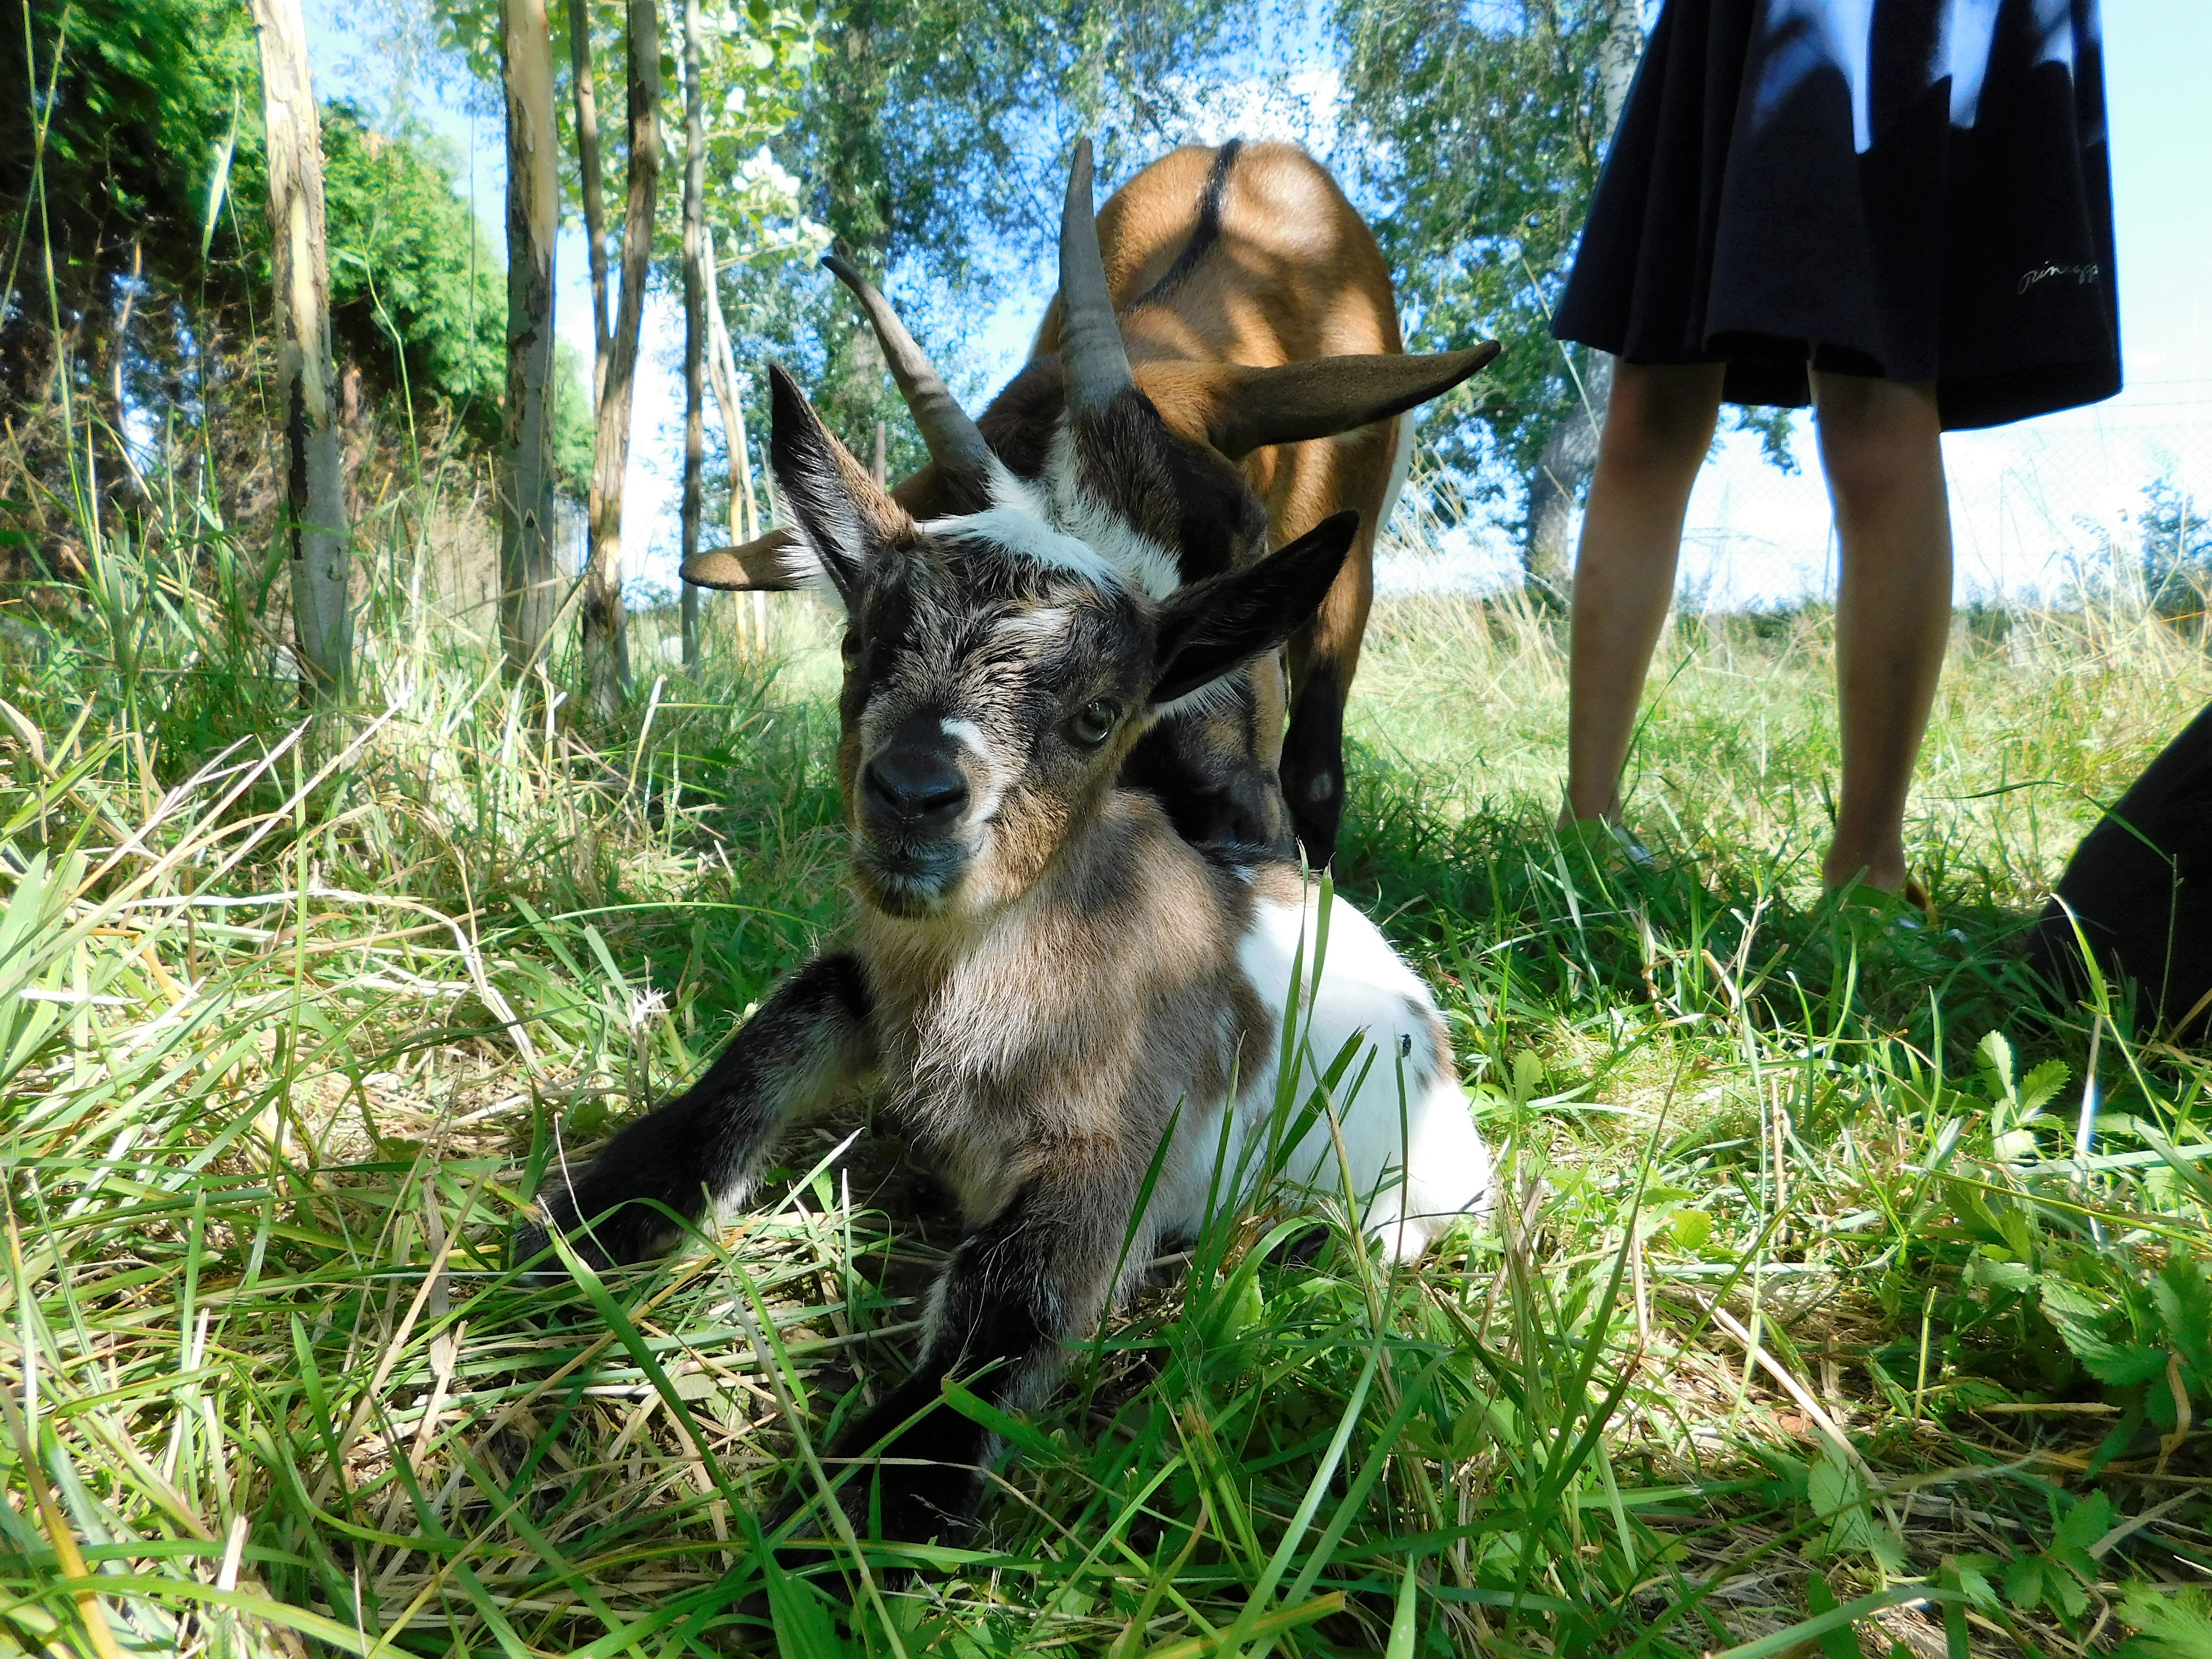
(839, 517)
(1215, 627)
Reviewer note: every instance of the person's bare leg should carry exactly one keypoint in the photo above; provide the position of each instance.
(1658, 426)
(1881, 448)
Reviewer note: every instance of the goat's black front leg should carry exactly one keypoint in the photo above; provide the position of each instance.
(1036, 1275)
(808, 1042)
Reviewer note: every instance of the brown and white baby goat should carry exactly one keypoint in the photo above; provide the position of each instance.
(1050, 984)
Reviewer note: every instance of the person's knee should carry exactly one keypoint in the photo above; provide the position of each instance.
(1659, 418)
(1876, 436)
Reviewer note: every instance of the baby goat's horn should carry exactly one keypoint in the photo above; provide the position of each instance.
(955, 442)
(1091, 349)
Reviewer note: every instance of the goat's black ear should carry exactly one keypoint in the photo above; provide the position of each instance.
(840, 515)
(1214, 627)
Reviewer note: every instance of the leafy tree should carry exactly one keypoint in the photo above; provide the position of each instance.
(416, 293)
(1485, 126)
(418, 299)
(2177, 549)
(135, 101)
(105, 189)
(934, 140)
(1480, 125)
(754, 61)
(152, 171)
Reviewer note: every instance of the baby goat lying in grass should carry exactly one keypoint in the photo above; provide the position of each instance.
(1047, 981)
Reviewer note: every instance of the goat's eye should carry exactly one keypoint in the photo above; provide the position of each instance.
(849, 647)
(1094, 722)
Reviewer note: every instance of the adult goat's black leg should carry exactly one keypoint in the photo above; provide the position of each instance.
(810, 1040)
(1313, 762)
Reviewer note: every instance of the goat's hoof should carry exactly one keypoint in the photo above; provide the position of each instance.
(528, 1251)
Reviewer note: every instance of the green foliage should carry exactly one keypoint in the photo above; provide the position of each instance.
(416, 293)
(2173, 1625)
(146, 100)
(932, 143)
(1487, 126)
(145, 92)
(153, 166)
(2176, 548)
(572, 435)
(1481, 127)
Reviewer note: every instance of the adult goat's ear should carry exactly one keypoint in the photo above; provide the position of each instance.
(760, 565)
(1215, 627)
(839, 516)
(1319, 397)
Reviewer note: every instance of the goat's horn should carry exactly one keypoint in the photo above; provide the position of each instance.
(1091, 349)
(955, 442)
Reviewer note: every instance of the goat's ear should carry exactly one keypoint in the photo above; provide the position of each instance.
(1214, 627)
(759, 566)
(1320, 397)
(839, 517)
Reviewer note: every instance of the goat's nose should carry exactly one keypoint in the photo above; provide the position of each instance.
(921, 788)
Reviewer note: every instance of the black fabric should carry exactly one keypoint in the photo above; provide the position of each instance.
(2141, 886)
(1916, 189)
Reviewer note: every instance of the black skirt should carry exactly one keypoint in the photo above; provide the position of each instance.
(1912, 189)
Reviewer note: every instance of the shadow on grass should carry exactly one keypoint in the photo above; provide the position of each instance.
(1524, 922)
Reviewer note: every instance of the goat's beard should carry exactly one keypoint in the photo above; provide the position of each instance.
(910, 883)
(977, 871)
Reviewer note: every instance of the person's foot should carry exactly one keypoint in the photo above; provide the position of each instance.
(1906, 906)
(1882, 871)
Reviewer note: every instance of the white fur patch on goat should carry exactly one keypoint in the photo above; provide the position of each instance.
(1023, 534)
(1413, 1157)
(1142, 561)
(970, 736)
(1039, 625)
(967, 735)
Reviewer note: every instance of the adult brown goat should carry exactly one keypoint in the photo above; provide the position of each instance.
(1240, 292)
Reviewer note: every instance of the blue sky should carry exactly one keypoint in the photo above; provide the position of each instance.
(2026, 499)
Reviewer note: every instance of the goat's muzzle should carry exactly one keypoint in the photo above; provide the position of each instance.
(914, 793)
(913, 805)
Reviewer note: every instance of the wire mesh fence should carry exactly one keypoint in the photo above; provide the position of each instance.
(2042, 513)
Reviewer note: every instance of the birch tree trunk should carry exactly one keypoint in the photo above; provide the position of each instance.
(530, 586)
(594, 192)
(606, 652)
(1571, 452)
(322, 621)
(695, 315)
(722, 369)
(722, 372)
(855, 77)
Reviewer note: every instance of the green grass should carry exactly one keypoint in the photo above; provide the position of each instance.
(1800, 1330)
